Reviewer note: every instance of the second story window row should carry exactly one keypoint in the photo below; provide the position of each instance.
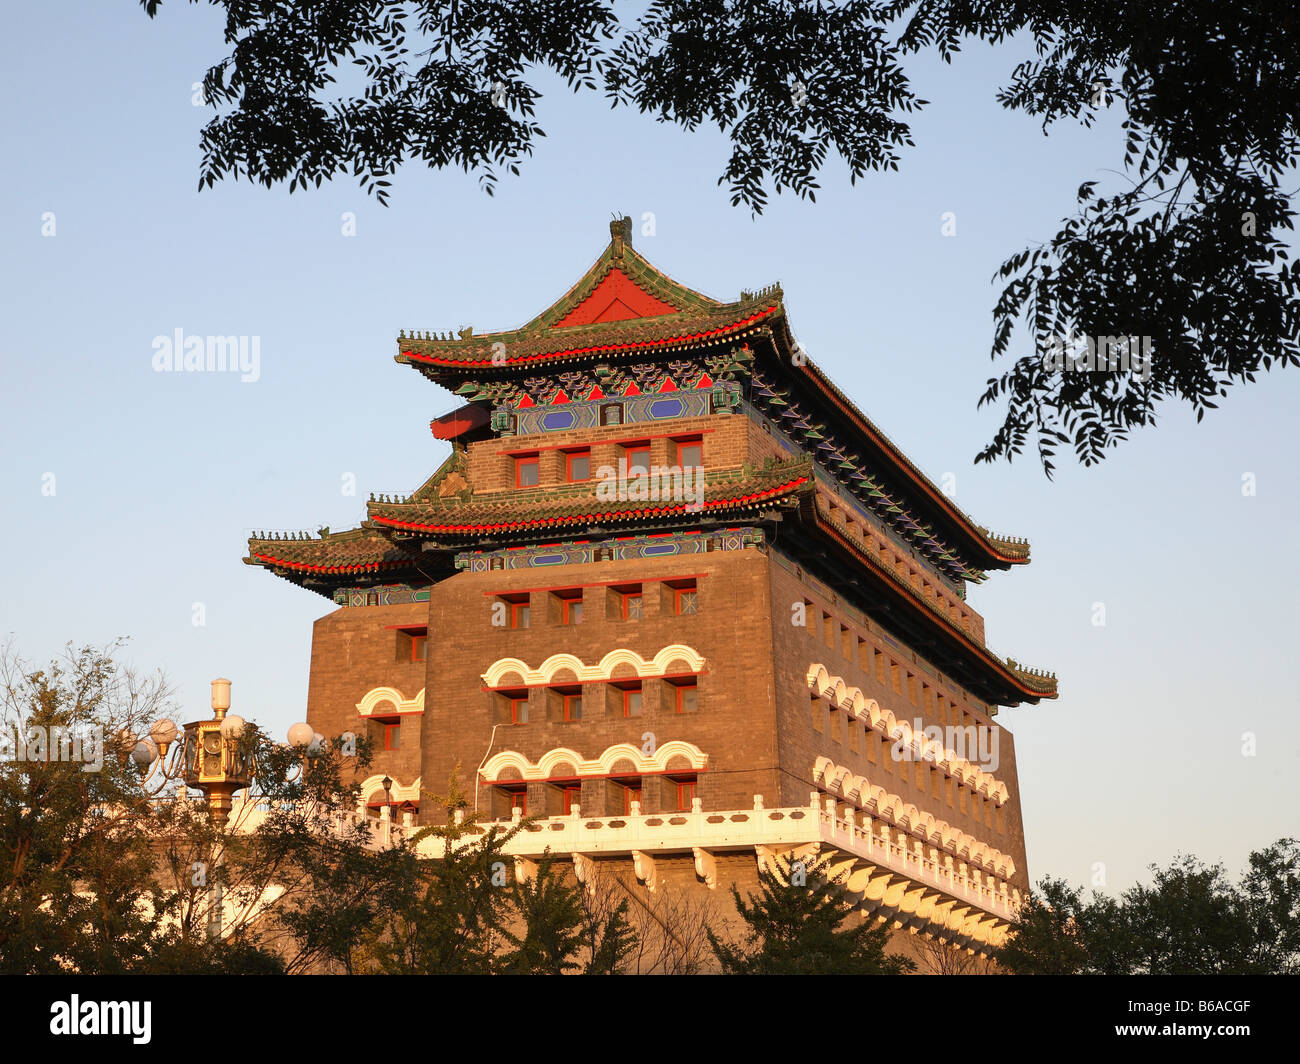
(567, 607)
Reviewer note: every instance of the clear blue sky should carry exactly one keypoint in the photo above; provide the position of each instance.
(159, 478)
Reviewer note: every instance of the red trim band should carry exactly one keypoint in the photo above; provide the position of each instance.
(433, 360)
(415, 526)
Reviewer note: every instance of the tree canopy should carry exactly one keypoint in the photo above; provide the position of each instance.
(1190, 920)
(102, 871)
(1187, 260)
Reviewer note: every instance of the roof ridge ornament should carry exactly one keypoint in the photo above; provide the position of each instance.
(620, 234)
(772, 292)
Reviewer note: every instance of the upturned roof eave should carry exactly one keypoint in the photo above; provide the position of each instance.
(1010, 679)
(985, 546)
(444, 359)
(483, 517)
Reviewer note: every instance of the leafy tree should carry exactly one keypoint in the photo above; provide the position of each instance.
(609, 937)
(552, 916)
(1187, 922)
(1190, 252)
(458, 911)
(297, 869)
(1193, 252)
(190, 957)
(100, 876)
(795, 926)
(74, 834)
(1270, 892)
(1190, 920)
(448, 917)
(1046, 939)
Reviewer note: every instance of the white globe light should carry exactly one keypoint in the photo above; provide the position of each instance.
(127, 737)
(144, 753)
(232, 727)
(163, 731)
(301, 734)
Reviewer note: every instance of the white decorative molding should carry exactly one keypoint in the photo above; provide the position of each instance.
(375, 784)
(851, 699)
(583, 870)
(379, 696)
(660, 665)
(838, 780)
(601, 766)
(767, 857)
(644, 867)
(886, 880)
(706, 867)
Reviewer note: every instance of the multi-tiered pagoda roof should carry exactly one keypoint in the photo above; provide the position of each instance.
(624, 332)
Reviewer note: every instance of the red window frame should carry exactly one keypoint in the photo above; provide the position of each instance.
(419, 647)
(571, 610)
(569, 459)
(518, 610)
(630, 795)
(685, 795)
(626, 598)
(683, 446)
(518, 709)
(527, 461)
(393, 728)
(678, 592)
(628, 692)
(519, 800)
(679, 697)
(571, 793)
(569, 707)
(630, 452)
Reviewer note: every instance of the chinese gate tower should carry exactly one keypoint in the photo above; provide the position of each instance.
(674, 594)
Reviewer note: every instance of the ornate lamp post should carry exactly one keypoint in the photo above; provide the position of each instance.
(212, 756)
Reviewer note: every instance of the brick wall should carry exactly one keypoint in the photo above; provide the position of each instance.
(732, 630)
(353, 650)
(492, 467)
(808, 730)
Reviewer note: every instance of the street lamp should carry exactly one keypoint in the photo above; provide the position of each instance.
(212, 756)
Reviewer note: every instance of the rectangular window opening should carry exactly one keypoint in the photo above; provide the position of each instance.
(577, 466)
(527, 471)
(690, 452)
(686, 696)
